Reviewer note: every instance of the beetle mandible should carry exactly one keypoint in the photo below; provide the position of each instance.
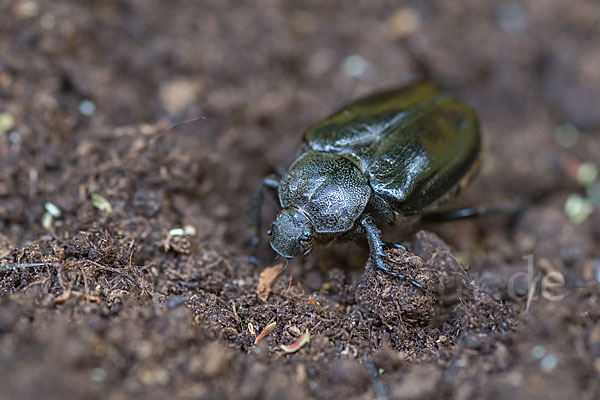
(380, 158)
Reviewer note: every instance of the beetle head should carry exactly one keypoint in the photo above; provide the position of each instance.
(291, 233)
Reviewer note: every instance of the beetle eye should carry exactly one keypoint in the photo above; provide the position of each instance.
(270, 231)
(305, 241)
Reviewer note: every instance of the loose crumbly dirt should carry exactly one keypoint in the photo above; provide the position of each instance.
(112, 303)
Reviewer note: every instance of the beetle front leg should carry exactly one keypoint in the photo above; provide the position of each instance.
(392, 245)
(376, 250)
(256, 212)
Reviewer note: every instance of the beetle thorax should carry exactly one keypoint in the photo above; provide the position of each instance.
(329, 189)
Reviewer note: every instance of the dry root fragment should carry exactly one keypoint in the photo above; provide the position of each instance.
(88, 297)
(268, 329)
(80, 295)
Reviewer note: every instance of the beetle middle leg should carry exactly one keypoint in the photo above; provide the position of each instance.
(376, 249)
(380, 210)
(255, 212)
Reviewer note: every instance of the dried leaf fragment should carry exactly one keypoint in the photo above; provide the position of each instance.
(316, 304)
(266, 279)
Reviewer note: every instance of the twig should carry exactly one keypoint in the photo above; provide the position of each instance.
(7, 267)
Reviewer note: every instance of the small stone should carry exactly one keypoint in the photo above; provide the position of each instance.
(567, 135)
(403, 22)
(538, 352)
(87, 108)
(178, 94)
(7, 121)
(578, 209)
(355, 66)
(549, 362)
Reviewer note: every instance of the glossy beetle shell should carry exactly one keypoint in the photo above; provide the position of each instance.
(414, 144)
(390, 154)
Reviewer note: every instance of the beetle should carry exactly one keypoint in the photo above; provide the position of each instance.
(375, 161)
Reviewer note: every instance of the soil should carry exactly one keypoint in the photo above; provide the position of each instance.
(149, 123)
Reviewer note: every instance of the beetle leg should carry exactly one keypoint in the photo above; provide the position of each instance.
(255, 213)
(377, 253)
(392, 245)
(476, 211)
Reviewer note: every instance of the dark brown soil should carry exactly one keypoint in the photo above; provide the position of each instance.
(99, 303)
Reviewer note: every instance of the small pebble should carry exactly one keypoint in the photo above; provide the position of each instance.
(87, 108)
(567, 135)
(26, 9)
(403, 22)
(178, 94)
(355, 66)
(48, 22)
(98, 375)
(587, 173)
(538, 352)
(7, 121)
(549, 362)
(578, 209)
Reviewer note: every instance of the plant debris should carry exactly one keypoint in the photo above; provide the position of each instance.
(268, 329)
(316, 304)
(266, 279)
(297, 345)
(101, 203)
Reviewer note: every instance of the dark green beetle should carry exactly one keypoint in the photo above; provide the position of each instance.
(380, 158)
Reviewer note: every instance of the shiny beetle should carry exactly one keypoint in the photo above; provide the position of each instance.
(378, 159)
